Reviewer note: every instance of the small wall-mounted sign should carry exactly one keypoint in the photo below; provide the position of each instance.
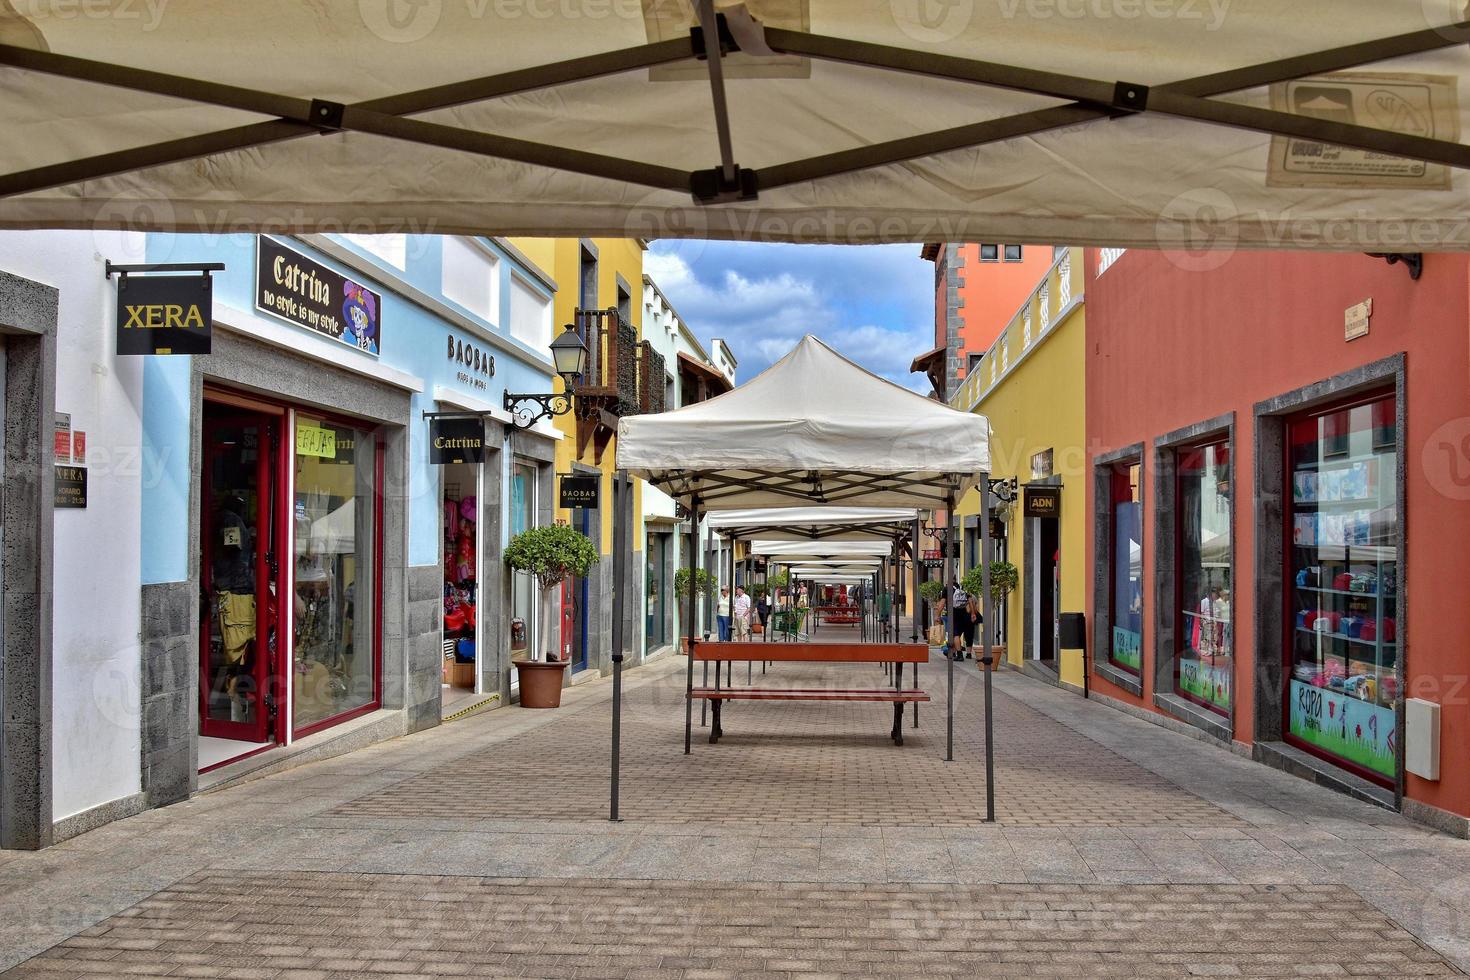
(1043, 501)
(997, 529)
(579, 491)
(165, 314)
(1041, 464)
(1355, 322)
(63, 437)
(457, 440)
(71, 487)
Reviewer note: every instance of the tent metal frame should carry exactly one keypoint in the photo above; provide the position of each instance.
(1088, 100)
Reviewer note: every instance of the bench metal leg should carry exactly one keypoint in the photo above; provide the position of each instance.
(704, 705)
(916, 687)
(715, 731)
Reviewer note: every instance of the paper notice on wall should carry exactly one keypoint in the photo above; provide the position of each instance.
(79, 448)
(63, 437)
(1415, 105)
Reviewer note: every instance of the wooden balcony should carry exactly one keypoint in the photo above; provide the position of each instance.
(624, 377)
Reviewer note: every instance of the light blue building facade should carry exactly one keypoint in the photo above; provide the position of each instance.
(309, 574)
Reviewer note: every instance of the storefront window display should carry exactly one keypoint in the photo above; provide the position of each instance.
(1205, 656)
(523, 585)
(336, 575)
(1126, 651)
(658, 545)
(1343, 545)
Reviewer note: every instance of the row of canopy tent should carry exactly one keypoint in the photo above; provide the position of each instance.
(814, 457)
(1109, 123)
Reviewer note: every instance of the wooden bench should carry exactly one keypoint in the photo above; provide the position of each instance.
(896, 654)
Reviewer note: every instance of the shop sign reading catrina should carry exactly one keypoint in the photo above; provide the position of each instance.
(302, 291)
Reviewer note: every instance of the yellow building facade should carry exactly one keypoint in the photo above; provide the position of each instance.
(1030, 384)
(594, 274)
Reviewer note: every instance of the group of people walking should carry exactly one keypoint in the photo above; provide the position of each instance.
(733, 616)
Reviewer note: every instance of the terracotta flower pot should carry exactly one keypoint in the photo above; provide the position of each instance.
(540, 682)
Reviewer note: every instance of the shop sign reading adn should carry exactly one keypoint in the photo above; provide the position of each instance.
(1043, 501)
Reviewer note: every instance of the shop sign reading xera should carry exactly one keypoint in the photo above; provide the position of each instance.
(302, 291)
(164, 314)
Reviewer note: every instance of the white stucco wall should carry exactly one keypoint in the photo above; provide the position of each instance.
(96, 608)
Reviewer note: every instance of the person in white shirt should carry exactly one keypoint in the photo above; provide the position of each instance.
(722, 615)
(742, 614)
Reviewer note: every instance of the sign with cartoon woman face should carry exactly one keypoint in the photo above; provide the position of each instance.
(300, 290)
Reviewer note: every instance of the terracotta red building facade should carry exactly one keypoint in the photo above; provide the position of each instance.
(1279, 447)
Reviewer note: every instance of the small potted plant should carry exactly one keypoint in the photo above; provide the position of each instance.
(932, 592)
(1003, 581)
(704, 583)
(549, 554)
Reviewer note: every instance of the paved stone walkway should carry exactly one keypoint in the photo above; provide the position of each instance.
(804, 844)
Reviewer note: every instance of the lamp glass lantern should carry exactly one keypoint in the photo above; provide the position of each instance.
(569, 354)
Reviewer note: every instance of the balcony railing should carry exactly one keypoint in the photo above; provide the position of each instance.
(624, 376)
(1052, 296)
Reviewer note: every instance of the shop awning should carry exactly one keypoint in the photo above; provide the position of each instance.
(1186, 125)
(813, 428)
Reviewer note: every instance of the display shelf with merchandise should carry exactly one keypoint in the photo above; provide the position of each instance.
(1343, 669)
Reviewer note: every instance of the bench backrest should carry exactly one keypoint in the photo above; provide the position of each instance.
(867, 653)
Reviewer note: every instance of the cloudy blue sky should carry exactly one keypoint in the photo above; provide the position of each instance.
(872, 303)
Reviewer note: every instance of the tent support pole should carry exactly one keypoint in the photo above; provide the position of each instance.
(691, 598)
(987, 659)
(622, 494)
(730, 664)
(915, 600)
(949, 651)
(709, 612)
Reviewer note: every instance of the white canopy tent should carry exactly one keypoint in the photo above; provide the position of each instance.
(815, 527)
(818, 429)
(815, 428)
(794, 550)
(1172, 123)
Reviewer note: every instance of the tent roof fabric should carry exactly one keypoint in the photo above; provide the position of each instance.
(814, 427)
(815, 526)
(794, 550)
(848, 121)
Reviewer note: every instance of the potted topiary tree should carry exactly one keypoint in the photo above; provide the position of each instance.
(549, 554)
(932, 592)
(704, 582)
(1003, 581)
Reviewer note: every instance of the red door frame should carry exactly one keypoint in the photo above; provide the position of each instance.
(281, 412)
(269, 487)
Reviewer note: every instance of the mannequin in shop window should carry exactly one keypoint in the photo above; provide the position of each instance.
(232, 576)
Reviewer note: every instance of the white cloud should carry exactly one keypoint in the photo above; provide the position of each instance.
(867, 303)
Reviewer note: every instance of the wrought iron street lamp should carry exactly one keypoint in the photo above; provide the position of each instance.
(569, 355)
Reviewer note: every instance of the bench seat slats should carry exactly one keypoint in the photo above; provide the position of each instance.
(748, 694)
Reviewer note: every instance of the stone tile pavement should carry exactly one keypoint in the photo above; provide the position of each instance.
(804, 844)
